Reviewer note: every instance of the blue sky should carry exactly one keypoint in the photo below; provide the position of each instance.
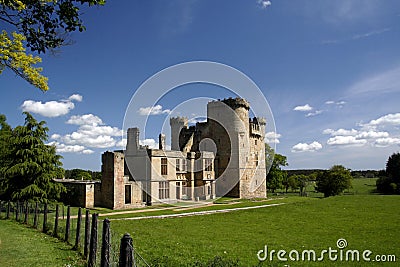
(330, 71)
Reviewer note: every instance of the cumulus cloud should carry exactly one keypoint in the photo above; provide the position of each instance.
(272, 138)
(304, 147)
(264, 3)
(63, 148)
(51, 108)
(87, 119)
(389, 119)
(345, 140)
(156, 110)
(387, 141)
(372, 135)
(76, 97)
(306, 107)
(92, 132)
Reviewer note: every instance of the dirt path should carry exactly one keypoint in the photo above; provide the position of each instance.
(197, 213)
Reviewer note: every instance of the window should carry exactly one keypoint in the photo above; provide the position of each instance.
(208, 190)
(163, 190)
(255, 142)
(208, 165)
(128, 194)
(256, 159)
(184, 165)
(177, 165)
(164, 166)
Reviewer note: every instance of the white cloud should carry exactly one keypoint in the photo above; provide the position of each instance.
(330, 102)
(343, 132)
(122, 143)
(48, 109)
(87, 119)
(306, 107)
(151, 143)
(156, 110)
(272, 138)
(345, 140)
(389, 119)
(91, 133)
(63, 148)
(315, 113)
(197, 119)
(76, 97)
(51, 108)
(372, 135)
(388, 141)
(264, 3)
(304, 147)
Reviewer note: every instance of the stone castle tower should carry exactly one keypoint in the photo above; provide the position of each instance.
(239, 142)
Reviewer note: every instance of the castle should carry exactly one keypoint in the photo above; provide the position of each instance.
(224, 156)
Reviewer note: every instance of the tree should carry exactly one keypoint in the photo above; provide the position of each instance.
(276, 175)
(334, 181)
(40, 25)
(293, 182)
(389, 182)
(79, 174)
(31, 165)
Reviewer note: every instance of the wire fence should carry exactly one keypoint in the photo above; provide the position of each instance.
(93, 239)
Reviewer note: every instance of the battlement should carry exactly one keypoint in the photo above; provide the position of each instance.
(237, 102)
(178, 120)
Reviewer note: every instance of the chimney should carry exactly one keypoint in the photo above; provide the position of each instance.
(161, 141)
(132, 144)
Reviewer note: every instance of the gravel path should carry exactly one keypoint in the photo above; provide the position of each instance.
(197, 213)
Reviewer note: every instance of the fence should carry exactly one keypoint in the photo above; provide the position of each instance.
(66, 223)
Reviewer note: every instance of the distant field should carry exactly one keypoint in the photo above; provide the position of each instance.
(365, 221)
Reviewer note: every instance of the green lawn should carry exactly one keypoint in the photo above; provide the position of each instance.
(366, 221)
(22, 246)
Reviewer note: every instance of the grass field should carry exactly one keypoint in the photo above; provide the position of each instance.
(365, 220)
(22, 246)
(368, 221)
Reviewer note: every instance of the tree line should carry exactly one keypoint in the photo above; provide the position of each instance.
(330, 182)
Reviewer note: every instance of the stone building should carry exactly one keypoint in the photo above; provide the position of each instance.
(224, 156)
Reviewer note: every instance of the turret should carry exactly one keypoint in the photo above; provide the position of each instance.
(177, 123)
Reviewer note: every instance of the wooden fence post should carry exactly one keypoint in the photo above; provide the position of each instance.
(8, 210)
(35, 218)
(78, 229)
(93, 242)
(55, 232)
(26, 213)
(45, 218)
(126, 251)
(87, 234)
(68, 224)
(105, 245)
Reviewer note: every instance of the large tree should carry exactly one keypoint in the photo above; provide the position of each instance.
(28, 169)
(389, 182)
(39, 25)
(334, 181)
(276, 176)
